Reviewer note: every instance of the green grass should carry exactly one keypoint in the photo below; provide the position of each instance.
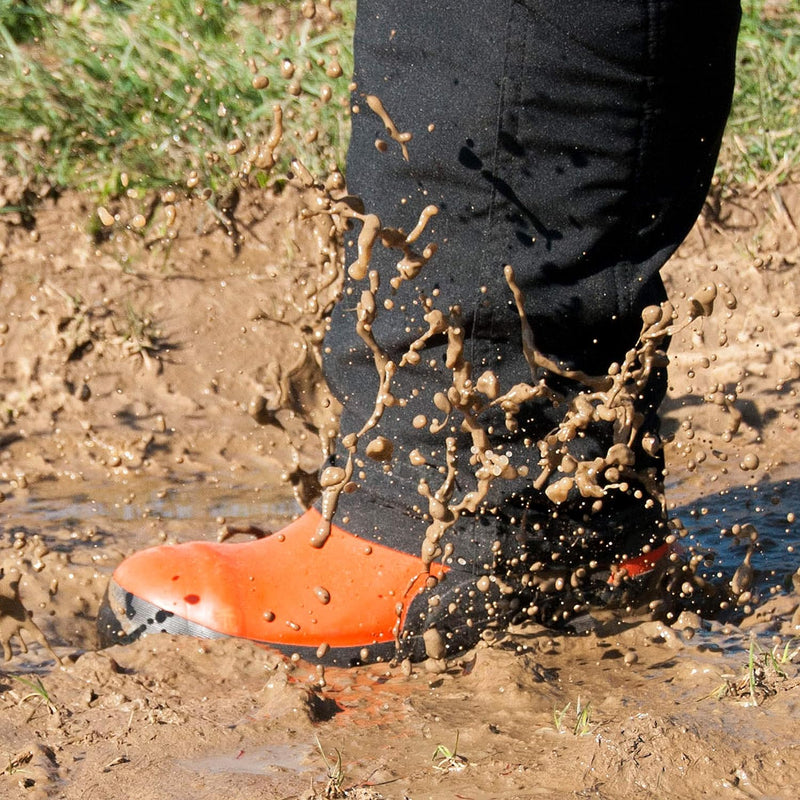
(446, 760)
(583, 719)
(94, 89)
(762, 141)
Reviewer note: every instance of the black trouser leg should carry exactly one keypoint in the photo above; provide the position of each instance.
(572, 139)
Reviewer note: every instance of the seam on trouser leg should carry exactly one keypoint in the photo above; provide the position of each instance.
(498, 124)
(627, 287)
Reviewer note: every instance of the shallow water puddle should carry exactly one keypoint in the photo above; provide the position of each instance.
(296, 758)
(142, 497)
(721, 526)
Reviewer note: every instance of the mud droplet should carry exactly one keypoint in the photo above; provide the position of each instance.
(380, 449)
(401, 138)
(234, 146)
(105, 217)
(488, 384)
(260, 82)
(651, 315)
(702, 302)
(323, 595)
(434, 644)
(749, 462)
(331, 476)
(559, 490)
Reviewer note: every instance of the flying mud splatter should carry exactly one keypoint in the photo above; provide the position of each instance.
(611, 400)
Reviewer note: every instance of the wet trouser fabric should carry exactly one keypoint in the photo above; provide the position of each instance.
(572, 139)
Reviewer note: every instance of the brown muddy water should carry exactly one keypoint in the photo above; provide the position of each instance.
(162, 387)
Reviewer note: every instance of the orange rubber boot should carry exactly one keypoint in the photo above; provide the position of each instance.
(643, 564)
(347, 602)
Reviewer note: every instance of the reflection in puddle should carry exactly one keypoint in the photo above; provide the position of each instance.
(297, 758)
(148, 498)
(769, 507)
(710, 520)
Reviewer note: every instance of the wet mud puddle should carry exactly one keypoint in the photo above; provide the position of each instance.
(724, 526)
(150, 498)
(632, 685)
(683, 707)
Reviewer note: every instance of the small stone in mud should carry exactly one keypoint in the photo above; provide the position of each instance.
(631, 657)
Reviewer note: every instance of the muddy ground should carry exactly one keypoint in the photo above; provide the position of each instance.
(161, 383)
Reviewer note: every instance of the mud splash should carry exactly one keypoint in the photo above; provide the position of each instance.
(654, 691)
(113, 439)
